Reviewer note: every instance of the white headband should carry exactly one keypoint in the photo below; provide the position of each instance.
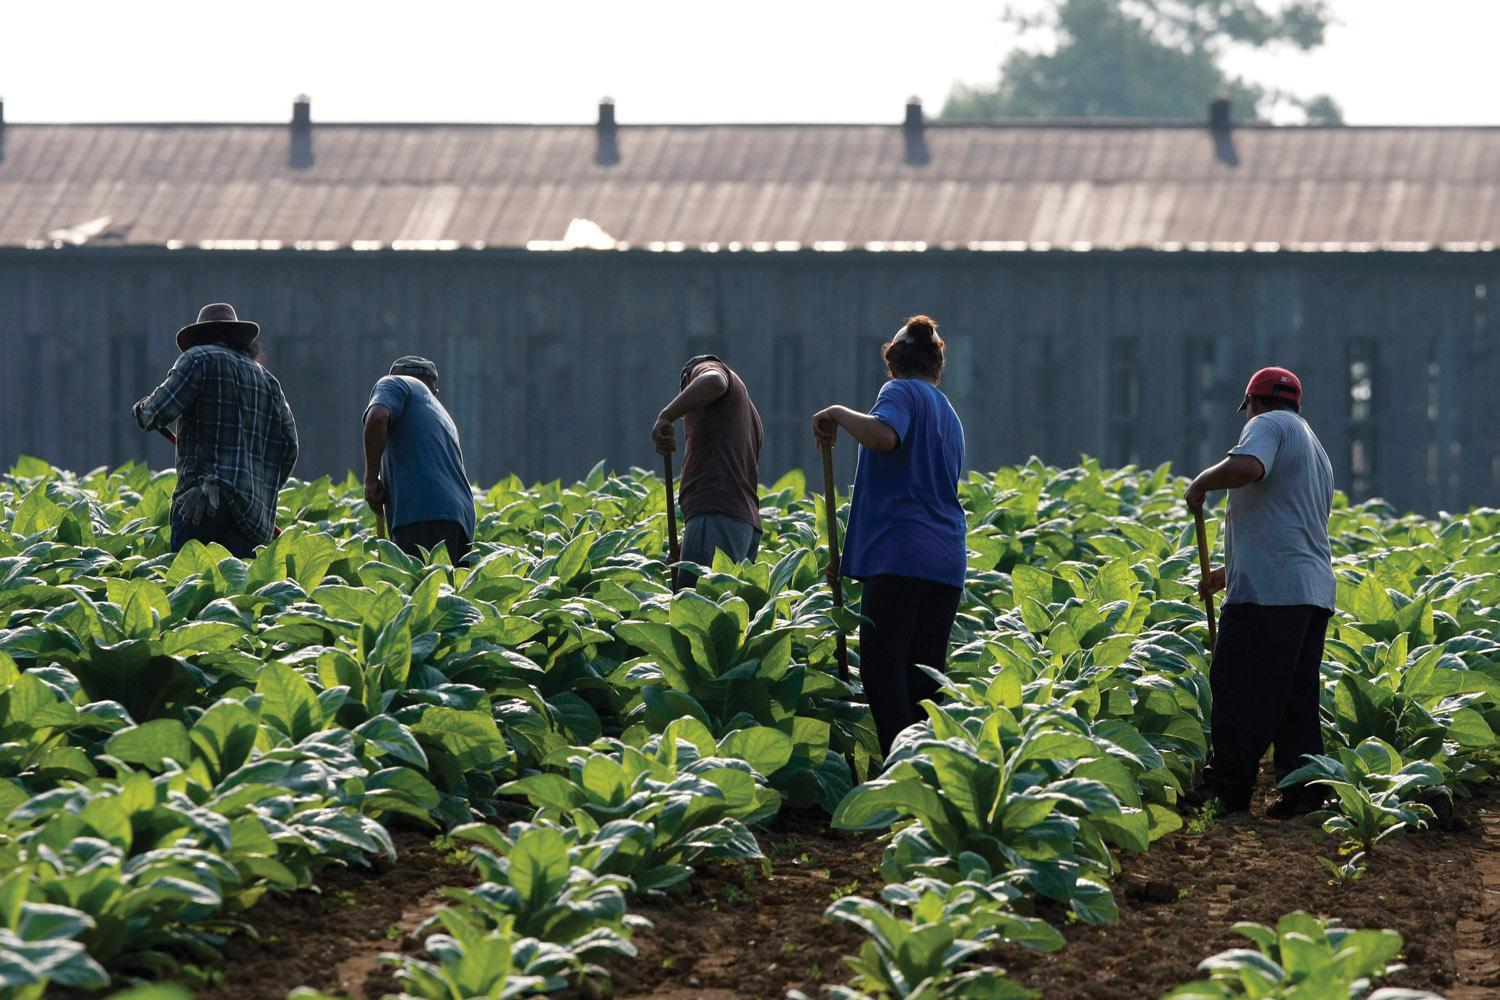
(901, 337)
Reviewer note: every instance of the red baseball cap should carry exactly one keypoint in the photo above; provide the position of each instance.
(1274, 382)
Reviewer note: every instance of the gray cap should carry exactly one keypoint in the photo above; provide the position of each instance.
(415, 367)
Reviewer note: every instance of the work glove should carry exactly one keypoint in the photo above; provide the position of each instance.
(199, 502)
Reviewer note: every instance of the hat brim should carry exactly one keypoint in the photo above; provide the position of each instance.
(1244, 404)
(241, 332)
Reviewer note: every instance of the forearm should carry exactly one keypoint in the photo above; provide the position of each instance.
(291, 455)
(699, 393)
(871, 432)
(377, 430)
(167, 401)
(157, 410)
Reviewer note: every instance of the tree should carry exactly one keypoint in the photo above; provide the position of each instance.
(1145, 59)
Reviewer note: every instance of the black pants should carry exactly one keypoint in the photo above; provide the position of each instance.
(910, 623)
(417, 535)
(221, 528)
(1265, 684)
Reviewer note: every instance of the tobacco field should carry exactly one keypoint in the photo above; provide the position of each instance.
(187, 739)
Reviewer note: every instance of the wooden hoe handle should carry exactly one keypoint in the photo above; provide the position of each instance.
(674, 552)
(1208, 602)
(831, 505)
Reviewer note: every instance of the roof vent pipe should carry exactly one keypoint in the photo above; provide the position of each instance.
(1218, 114)
(607, 135)
(300, 148)
(1221, 128)
(914, 131)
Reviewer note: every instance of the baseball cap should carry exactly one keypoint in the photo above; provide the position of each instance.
(415, 367)
(1273, 381)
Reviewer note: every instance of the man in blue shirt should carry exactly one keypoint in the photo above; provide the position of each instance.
(414, 467)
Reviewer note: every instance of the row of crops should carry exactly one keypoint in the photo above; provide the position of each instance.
(181, 734)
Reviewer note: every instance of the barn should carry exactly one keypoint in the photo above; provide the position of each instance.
(1105, 287)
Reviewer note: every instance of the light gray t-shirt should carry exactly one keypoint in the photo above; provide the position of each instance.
(1276, 540)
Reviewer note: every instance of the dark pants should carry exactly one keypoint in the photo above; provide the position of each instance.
(412, 538)
(221, 528)
(910, 620)
(1265, 682)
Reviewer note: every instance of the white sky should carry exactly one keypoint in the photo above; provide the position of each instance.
(1390, 61)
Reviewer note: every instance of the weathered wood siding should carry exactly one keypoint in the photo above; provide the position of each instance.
(553, 361)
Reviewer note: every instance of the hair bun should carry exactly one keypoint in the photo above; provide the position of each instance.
(921, 330)
(916, 351)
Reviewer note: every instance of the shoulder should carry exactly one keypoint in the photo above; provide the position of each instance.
(394, 385)
(1273, 422)
(215, 358)
(198, 354)
(915, 391)
(1282, 421)
(900, 388)
(718, 367)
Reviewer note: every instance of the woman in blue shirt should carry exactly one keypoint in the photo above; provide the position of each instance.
(906, 535)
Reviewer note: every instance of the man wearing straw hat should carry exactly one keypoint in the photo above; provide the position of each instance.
(414, 466)
(235, 436)
(1266, 665)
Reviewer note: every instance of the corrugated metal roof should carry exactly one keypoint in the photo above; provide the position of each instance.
(752, 186)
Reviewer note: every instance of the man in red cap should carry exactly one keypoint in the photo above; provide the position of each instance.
(1265, 671)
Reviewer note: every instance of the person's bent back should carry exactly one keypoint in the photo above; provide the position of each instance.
(720, 473)
(414, 466)
(236, 438)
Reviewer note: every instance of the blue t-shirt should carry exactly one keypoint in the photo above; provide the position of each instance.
(905, 517)
(423, 466)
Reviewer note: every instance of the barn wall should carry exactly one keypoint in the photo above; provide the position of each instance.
(553, 361)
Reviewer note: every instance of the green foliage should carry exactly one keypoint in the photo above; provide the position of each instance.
(1041, 794)
(1377, 791)
(658, 812)
(924, 953)
(472, 961)
(38, 944)
(1302, 957)
(181, 734)
(533, 873)
(1144, 59)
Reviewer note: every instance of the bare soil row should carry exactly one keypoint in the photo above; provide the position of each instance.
(757, 931)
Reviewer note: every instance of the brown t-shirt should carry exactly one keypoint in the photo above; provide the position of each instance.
(720, 471)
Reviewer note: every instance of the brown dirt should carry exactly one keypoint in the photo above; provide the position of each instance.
(331, 940)
(1478, 939)
(733, 932)
(1179, 900)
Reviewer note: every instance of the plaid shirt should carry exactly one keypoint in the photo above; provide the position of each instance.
(234, 427)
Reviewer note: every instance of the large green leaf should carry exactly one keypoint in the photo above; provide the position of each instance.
(223, 737)
(152, 743)
(150, 684)
(538, 866)
(287, 701)
(471, 738)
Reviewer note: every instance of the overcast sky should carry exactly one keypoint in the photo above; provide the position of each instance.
(1389, 61)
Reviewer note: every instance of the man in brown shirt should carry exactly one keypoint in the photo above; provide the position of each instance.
(720, 472)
